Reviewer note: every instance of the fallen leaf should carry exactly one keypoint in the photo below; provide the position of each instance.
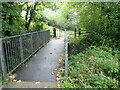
(14, 80)
(19, 81)
(37, 82)
(58, 79)
(57, 74)
(55, 69)
(12, 76)
(59, 82)
(52, 73)
(91, 58)
(58, 85)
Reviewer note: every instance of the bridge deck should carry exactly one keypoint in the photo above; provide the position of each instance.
(43, 63)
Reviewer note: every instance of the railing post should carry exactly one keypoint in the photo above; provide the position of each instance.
(31, 43)
(3, 64)
(21, 48)
(66, 54)
(49, 34)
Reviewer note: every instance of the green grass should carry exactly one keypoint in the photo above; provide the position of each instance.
(95, 67)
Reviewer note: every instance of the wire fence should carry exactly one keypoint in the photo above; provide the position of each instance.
(17, 49)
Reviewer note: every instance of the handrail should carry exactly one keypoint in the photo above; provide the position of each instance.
(17, 49)
(22, 35)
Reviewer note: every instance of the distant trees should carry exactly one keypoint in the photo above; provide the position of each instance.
(101, 19)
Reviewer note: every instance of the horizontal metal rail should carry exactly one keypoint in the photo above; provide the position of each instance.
(17, 49)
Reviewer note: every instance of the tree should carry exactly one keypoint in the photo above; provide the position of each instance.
(32, 14)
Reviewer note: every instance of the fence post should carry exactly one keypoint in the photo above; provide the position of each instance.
(54, 31)
(49, 35)
(21, 48)
(66, 54)
(75, 33)
(3, 64)
(31, 43)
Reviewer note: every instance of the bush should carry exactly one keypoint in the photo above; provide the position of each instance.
(93, 39)
(95, 67)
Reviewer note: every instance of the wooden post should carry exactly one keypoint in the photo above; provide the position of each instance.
(79, 32)
(54, 31)
(75, 33)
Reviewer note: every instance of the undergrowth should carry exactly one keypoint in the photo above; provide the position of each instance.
(94, 67)
(77, 45)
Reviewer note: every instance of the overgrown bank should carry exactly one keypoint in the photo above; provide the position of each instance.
(94, 59)
(95, 67)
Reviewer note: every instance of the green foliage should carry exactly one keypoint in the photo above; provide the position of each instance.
(19, 18)
(100, 19)
(96, 67)
(67, 84)
(96, 56)
(61, 17)
(12, 20)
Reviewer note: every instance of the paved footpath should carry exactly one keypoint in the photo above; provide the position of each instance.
(41, 67)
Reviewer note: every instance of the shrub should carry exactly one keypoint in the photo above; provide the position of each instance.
(94, 67)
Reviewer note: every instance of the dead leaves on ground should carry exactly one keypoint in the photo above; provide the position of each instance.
(92, 58)
(37, 82)
(59, 77)
(52, 73)
(12, 76)
(19, 81)
(61, 61)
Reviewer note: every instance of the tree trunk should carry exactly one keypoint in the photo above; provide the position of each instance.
(32, 11)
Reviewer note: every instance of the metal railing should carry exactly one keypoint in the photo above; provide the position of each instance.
(17, 49)
(66, 54)
(0, 71)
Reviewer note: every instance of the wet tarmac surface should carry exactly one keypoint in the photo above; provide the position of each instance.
(41, 66)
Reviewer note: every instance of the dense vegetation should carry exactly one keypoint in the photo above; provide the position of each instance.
(23, 17)
(101, 20)
(96, 67)
(94, 57)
